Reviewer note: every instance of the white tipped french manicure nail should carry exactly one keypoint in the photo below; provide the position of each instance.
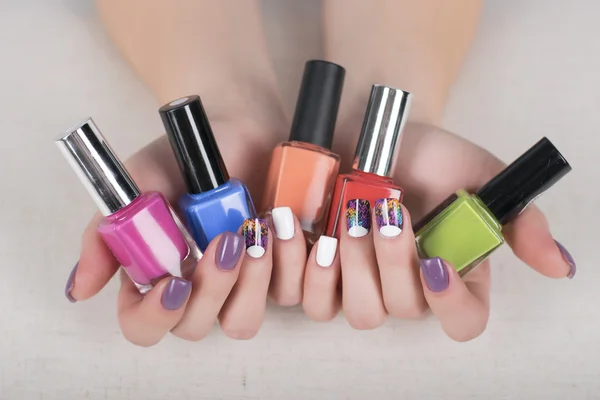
(326, 249)
(283, 219)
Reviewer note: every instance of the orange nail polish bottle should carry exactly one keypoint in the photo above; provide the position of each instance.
(303, 170)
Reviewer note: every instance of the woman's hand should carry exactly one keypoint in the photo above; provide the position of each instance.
(228, 285)
(380, 272)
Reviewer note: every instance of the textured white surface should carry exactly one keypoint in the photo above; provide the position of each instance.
(534, 70)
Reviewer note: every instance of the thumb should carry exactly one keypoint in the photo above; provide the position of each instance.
(529, 234)
(530, 239)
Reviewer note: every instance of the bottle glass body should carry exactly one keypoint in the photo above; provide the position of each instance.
(149, 241)
(211, 213)
(460, 230)
(358, 185)
(302, 176)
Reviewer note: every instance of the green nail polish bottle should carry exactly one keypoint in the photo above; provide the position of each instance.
(466, 228)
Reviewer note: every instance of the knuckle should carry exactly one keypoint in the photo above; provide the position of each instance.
(416, 310)
(466, 335)
(191, 335)
(366, 321)
(286, 299)
(320, 314)
(139, 341)
(237, 332)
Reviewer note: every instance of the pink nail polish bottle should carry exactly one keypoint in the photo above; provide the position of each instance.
(141, 229)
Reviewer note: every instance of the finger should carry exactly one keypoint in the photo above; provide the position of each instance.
(96, 265)
(321, 300)
(213, 280)
(361, 284)
(530, 239)
(244, 310)
(462, 306)
(289, 258)
(529, 234)
(146, 319)
(152, 168)
(397, 258)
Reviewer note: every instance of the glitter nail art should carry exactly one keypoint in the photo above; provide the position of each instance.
(388, 215)
(359, 217)
(256, 235)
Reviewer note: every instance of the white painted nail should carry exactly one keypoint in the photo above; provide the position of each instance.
(283, 219)
(358, 231)
(326, 249)
(390, 231)
(255, 251)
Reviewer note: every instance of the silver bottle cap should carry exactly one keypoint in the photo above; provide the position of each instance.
(98, 168)
(379, 142)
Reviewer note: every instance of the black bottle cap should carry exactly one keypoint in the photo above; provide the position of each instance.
(194, 144)
(318, 103)
(530, 175)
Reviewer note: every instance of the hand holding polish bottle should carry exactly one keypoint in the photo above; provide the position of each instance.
(141, 229)
(173, 286)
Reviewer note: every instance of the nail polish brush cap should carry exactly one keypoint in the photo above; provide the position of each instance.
(93, 160)
(318, 103)
(526, 178)
(379, 141)
(194, 144)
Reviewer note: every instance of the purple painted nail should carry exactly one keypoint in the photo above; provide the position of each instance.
(229, 250)
(71, 284)
(568, 258)
(388, 215)
(256, 233)
(176, 293)
(358, 215)
(435, 273)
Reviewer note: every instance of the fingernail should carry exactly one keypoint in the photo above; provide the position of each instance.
(256, 233)
(326, 248)
(229, 251)
(435, 273)
(388, 215)
(71, 284)
(283, 220)
(568, 258)
(176, 293)
(359, 217)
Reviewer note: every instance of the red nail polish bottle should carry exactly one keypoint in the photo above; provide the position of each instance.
(376, 154)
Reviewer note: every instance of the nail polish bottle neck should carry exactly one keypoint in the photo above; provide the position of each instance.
(371, 176)
(132, 208)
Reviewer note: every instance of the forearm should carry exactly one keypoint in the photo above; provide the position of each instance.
(215, 49)
(418, 46)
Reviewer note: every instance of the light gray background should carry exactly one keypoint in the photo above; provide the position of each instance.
(533, 71)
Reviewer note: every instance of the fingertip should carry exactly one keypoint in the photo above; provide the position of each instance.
(390, 218)
(531, 240)
(435, 273)
(568, 258)
(284, 222)
(326, 251)
(175, 294)
(256, 237)
(96, 265)
(71, 284)
(228, 253)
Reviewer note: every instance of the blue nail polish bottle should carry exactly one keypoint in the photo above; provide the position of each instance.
(215, 203)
